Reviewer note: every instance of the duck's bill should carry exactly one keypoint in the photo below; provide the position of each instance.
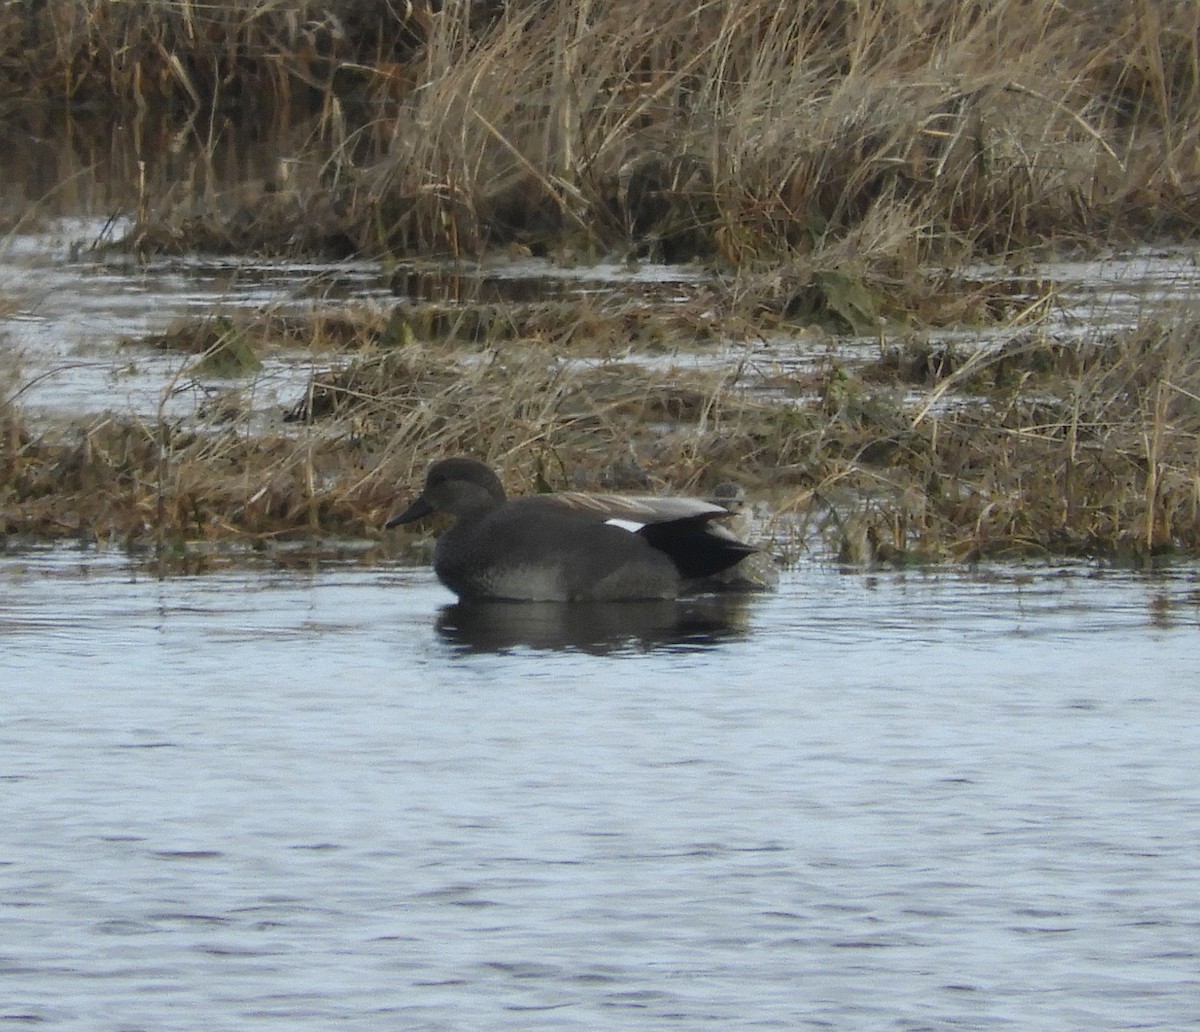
(419, 509)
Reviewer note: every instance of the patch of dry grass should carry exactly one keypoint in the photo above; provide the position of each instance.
(1035, 448)
(879, 135)
(205, 57)
(1086, 448)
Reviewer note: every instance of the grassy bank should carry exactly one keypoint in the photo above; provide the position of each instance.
(1031, 448)
(887, 133)
(841, 164)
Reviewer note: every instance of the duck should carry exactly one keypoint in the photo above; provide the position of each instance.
(569, 546)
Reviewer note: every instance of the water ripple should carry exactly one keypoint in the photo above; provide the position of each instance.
(909, 801)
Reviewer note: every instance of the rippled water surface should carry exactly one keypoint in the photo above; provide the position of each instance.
(319, 799)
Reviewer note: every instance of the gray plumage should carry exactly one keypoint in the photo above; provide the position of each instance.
(566, 547)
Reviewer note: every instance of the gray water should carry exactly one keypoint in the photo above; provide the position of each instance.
(324, 799)
(72, 340)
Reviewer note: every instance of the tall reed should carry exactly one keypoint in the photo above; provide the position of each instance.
(898, 129)
(758, 128)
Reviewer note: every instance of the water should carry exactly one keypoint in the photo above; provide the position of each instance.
(264, 798)
(71, 341)
(72, 338)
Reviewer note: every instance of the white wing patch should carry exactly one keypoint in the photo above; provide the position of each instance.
(630, 525)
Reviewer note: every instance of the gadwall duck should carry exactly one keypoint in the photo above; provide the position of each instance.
(568, 547)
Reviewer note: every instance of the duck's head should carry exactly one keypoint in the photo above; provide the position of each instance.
(459, 486)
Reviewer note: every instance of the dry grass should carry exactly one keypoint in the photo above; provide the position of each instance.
(758, 129)
(355, 441)
(1089, 449)
(877, 134)
(204, 57)
(840, 159)
(1036, 448)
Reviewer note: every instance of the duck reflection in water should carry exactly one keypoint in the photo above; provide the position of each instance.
(594, 627)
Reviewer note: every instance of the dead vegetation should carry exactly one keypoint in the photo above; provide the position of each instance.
(838, 162)
(205, 56)
(1037, 447)
(881, 134)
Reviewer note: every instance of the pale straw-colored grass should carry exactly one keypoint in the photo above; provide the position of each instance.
(1042, 449)
(749, 131)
